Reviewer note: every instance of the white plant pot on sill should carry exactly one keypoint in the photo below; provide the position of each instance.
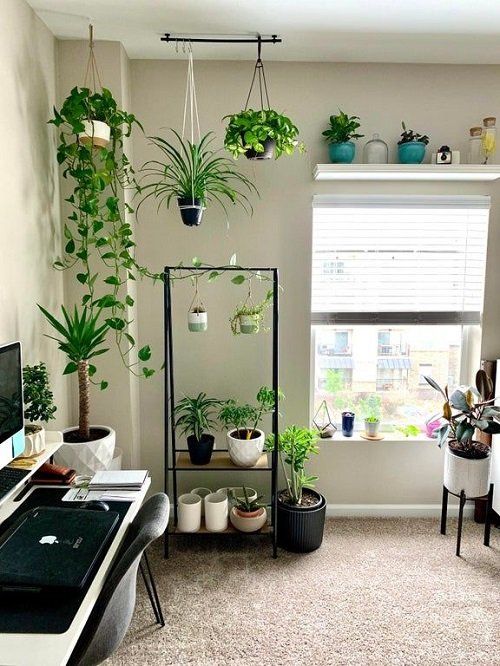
(96, 133)
(471, 476)
(34, 443)
(245, 452)
(88, 457)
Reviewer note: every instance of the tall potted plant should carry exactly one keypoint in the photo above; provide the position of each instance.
(339, 137)
(38, 406)
(194, 417)
(465, 412)
(411, 146)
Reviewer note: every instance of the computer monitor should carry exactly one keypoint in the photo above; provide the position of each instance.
(11, 403)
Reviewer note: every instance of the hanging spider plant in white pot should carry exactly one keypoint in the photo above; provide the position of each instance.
(191, 171)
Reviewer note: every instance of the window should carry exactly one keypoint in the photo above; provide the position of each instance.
(407, 302)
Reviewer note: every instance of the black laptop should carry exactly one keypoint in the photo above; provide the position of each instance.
(51, 548)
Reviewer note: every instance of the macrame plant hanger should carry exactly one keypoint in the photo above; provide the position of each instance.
(97, 133)
(92, 76)
(197, 314)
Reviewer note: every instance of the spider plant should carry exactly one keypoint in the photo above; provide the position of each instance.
(195, 175)
(194, 415)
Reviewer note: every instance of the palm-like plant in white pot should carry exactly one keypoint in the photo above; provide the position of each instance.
(465, 412)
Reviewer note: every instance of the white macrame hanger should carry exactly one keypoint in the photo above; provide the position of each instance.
(190, 98)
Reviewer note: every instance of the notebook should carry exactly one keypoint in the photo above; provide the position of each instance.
(129, 479)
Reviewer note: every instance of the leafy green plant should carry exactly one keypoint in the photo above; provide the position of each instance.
(466, 411)
(371, 408)
(248, 309)
(409, 430)
(372, 419)
(245, 504)
(247, 130)
(194, 171)
(38, 397)
(342, 128)
(246, 418)
(409, 135)
(82, 337)
(295, 446)
(195, 415)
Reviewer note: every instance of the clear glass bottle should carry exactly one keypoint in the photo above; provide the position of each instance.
(475, 151)
(489, 138)
(375, 151)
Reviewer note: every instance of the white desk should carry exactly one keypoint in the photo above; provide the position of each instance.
(55, 649)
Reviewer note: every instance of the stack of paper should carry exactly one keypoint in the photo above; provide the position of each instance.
(115, 480)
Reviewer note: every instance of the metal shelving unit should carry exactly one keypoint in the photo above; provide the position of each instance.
(177, 460)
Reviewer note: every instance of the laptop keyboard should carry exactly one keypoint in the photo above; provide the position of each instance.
(9, 478)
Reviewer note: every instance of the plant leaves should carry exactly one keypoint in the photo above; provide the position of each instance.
(71, 367)
(144, 353)
(238, 279)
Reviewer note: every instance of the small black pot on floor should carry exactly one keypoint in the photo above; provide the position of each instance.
(191, 211)
(269, 146)
(300, 528)
(200, 451)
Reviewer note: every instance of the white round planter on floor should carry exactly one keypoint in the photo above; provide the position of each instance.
(471, 476)
(96, 133)
(216, 512)
(189, 512)
(87, 457)
(245, 452)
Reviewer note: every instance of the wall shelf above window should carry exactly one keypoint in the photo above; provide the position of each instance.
(461, 172)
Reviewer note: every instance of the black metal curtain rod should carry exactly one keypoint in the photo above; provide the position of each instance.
(273, 39)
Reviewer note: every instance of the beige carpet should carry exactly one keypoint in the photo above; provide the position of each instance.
(381, 592)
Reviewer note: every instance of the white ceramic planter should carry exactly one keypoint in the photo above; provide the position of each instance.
(96, 133)
(197, 322)
(245, 452)
(189, 512)
(249, 324)
(248, 524)
(251, 492)
(34, 443)
(202, 493)
(371, 428)
(472, 476)
(216, 512)
(88, 457)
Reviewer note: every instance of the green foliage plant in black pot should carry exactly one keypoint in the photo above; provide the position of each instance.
(194, 417)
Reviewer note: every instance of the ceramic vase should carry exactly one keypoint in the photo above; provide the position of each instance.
(189, 512)
(216, 512)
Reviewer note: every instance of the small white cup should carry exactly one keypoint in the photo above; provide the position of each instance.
(201, 492)
(189, 513)
(216, 512)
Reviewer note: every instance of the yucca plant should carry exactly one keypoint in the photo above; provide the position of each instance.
(81, 338)
(195, 175)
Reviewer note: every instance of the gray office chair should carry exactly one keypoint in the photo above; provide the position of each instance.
(112, 614)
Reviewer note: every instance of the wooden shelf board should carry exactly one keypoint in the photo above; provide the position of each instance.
(457, 172)
(267, 529)
(220, 461)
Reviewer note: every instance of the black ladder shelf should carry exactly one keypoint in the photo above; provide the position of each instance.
(177, 461)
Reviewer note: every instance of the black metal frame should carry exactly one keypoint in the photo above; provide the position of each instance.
(463, 498)
(169, 402)
(187, 39)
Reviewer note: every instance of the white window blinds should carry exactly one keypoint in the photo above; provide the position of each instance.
(385, 259)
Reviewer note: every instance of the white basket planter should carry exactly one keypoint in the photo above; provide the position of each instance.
(245, 452)
(189, 512)
(88, 457)
(34, 443)
(216, 512)
(471, 476)
(96, 133)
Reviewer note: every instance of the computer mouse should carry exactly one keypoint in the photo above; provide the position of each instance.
(95, 505)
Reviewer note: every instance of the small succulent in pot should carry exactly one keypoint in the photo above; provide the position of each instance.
(247, 514)
(411, 146)
(339, 137)
(195, 415)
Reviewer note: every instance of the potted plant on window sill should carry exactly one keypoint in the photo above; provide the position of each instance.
(38, 406)
(466, 411)
(372, 425)
(247, 515)
(411, 146)
(301, 510)
(195, 416)
(339, 137)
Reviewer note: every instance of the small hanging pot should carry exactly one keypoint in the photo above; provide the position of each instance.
(249, 324)
(96, 133)
(197, 315)
(191, 211)
(269, 146)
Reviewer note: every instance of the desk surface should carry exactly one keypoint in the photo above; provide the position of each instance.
(55, 649)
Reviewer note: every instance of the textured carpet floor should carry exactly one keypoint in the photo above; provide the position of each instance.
(378, 592)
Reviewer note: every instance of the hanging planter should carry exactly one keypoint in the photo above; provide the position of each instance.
(191, 211)
(248, 317)
(197, 315)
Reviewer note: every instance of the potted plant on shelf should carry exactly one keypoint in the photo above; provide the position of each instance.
(301, 510)
(195, 176)
(411, 146)
(247, 515)
(261, 134)
(38, 406)
(195, 416)
(465, 412)
(339, 137)
(248, 317)
(245, 442)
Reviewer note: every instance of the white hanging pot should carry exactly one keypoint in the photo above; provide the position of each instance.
(249, 324)
(467, 474)
(197, 321)
(245, 452)
(189, 512)
(96, 132)
(34, 442)
(216, 512)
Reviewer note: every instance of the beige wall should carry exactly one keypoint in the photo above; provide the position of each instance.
(29, 190)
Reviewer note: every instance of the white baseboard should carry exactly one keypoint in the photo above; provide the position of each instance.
(394, 510)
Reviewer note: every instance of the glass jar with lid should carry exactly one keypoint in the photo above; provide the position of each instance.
(375, 151)
(475, 151)
(489, 138)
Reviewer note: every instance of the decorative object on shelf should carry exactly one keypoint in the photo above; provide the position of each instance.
(372, 425)
(189, 511)
(375, 438)
(249, 316)
(342, 129)
(347, 423)
(431, 426)
(38, 406)
(489, 138)
(197, 315)
(261, 134)
(467, 461)
(245, 442)
(301, 510)
(475, 152)
(323, 421)
(247, 515)
(202, 493)
(411, 146)
(444, 155)
(216, 512)
(376, 151)
(194, 415)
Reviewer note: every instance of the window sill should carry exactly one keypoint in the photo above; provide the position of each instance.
(391, 437)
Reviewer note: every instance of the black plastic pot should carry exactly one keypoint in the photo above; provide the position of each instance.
(200, 451)
(191, 211)
(269, 145)
(300, 528)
